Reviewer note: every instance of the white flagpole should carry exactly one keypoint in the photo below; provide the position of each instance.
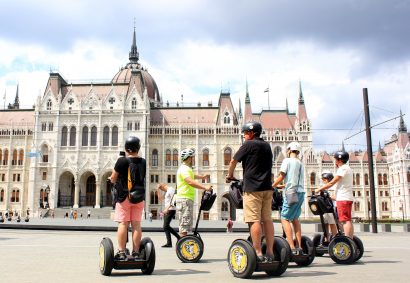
(267, 90)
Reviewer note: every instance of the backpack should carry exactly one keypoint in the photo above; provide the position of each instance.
(277, 199)
(136, 192)
(235, 194)
(208, 199)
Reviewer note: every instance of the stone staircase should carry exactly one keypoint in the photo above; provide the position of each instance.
(96, 213)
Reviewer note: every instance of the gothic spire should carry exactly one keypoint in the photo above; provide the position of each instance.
(301, 100)
(247, 99)
(16, 99)
(134, 55)
(240, 109)
(402, 126)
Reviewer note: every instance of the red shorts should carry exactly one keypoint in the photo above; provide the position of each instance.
(126, 211)
(344, 210)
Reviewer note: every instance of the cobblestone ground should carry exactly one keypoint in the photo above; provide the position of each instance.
(72, 256)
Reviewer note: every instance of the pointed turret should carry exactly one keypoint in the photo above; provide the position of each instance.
(248, 108)
(240, 110)
(402, 125)
(302, 116)
(134, 55)
(403, 138)
(16, 99)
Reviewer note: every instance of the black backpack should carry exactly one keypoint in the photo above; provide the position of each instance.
(208, 199)
(277, 199)
(235, 194)
(136, 172)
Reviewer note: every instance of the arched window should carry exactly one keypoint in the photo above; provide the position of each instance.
(6, 157)
(114, 137)
(1, 156)
(366, 179)
(49, 104)
(205, 157)
(84, 137)
(14, 160)
(168, 157)
(2, 195)
(276, 152)
(106, 136)
(227, 156)
(357, 179)
(385, 179)
(313, 178)
(13, 196)
(224, 206)
(93, 136)
(134, 103)
(153, 198)
(21, 157)
(379, 179)
(44, 153)
(64, 136)
(154, 157)
(227, 118)
(72, 136)
(17, 195)
(175, 157)
(408, 174)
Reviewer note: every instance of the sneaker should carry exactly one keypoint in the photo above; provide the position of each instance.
(269, 259)
(136, 255)
(167, 246)
(261, 258)
(300, 251)
(120, 255)
(295, 251)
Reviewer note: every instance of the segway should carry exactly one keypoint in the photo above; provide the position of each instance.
(146, 261)
(242, 258)
(308, 254)
(341, 249)
(190, 248)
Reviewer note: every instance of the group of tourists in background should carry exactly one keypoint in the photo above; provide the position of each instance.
(256, 157)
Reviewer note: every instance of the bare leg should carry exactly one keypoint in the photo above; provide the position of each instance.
(348, 229)
(333, 229)
(298, 232)
(288, 232)
(269, 236)
(256, 235)
(136, 235)
(122, 235)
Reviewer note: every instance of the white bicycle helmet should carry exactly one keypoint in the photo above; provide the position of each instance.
(294, 146)
(185, 153)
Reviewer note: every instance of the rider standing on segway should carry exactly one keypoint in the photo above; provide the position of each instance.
(291, 171)
(256, 157)
(343, 182)
(127, 212)
(186, 186)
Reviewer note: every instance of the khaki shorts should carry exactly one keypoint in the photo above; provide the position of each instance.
(257, 206)
(328, 218)
(185, 207)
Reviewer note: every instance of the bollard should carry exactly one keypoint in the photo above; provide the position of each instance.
(364, 227)
(386, 227)
(406, 227)
(318, 227)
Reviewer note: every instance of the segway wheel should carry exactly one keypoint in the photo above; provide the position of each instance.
(241, 259)
(342, 250)
(147, 250)
(309, 249)
(106, 253)
(281, 254)
(359, 248)
(190, 248)
(316, 242)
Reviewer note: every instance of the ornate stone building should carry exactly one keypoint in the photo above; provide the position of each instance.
(59, 154)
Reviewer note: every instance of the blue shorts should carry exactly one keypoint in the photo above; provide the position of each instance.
(292, 212)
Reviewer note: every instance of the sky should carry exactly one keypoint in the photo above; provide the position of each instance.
(195, 49)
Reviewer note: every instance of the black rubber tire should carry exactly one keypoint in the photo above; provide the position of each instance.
(106, 253)
(147, 248)
(241, 259)
(190, 256)
(316, 242)
(282, 254)
(359, 248)
(344, 244)
(307, 244)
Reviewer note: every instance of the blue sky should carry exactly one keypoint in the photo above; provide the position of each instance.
(196, 48)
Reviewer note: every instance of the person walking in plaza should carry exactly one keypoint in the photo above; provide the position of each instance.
(256, 157)
(229, 226)
(186, 186)
(343, 184)
(168, 212)
(88, 213)
(127, 209)
(292, 172)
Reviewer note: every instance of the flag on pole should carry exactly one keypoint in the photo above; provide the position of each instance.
(266, 90)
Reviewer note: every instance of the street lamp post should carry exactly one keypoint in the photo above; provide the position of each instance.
(402, 210)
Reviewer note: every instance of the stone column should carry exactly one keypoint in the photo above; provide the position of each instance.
(76, 194)
(97, 193)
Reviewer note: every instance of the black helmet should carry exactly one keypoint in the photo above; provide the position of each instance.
(342, 155)
(252, 127)
(132, 144)
(327, 175)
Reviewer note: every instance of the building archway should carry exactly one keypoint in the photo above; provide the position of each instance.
(87, 190)
(66, 189)
(106, 198)
(231, 209)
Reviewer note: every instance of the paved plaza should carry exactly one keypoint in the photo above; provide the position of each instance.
(28, 255)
